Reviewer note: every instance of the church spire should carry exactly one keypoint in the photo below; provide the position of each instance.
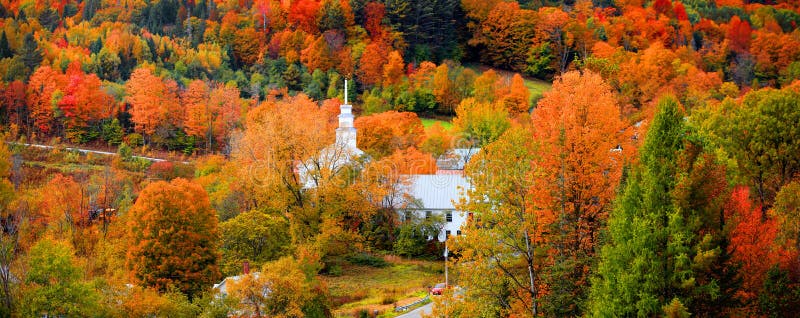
(346, 133)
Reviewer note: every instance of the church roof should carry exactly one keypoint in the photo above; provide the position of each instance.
(437, 192)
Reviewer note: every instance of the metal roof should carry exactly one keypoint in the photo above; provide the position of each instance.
(437, 192)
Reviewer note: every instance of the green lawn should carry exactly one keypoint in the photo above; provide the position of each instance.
(428, 122)
(537, 87)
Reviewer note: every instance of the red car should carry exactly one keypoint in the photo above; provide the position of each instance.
(438, 289)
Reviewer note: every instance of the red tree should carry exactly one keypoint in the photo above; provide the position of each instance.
(14, 102)
(752, 244)
(374, 12)
(739, 33)
(303, 14)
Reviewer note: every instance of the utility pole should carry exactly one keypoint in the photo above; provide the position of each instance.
(446, 282)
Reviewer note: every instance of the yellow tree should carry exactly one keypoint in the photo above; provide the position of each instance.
(437, 140)
(487, 88)
(278, 136)
(288, 161)
(480, 123)
(500, 255)
(282, 288)
(444, 89)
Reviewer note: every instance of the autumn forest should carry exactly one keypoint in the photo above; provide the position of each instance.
(637, 157)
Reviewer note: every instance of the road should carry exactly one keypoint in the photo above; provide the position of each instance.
(417, 313)
(91, 151)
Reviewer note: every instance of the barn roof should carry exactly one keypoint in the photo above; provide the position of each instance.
(437, 191)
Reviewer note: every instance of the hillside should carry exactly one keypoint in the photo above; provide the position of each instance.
(637, 157)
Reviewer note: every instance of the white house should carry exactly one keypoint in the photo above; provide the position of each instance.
(436, 194)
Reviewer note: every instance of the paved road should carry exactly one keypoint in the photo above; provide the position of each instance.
(417, 313)
(91, 151)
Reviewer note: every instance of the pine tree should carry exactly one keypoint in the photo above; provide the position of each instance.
(31, 54)
(654, 252)
(5, 50)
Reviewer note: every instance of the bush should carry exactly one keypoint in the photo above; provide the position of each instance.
(73, 156)
(410, 241)
(163, 170)
(166, 170)
(126, 160)
(112, 132)
(367, 260)
(134, 140)
(125, 152)
(137, 164)
(388, 300)
(334, 270)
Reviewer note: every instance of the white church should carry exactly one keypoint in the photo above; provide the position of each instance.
(433, 194)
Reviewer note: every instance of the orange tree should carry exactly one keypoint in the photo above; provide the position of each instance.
(173, 237)
(578, 124)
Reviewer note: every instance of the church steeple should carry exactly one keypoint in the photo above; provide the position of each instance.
(346, 133)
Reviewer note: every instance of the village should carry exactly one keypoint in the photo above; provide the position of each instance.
(399, 158)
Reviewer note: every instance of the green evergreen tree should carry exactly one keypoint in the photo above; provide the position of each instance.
(653, 255)
(89, 9)
(5, 50)
(48, 18)
(31, 54)
(779, 298)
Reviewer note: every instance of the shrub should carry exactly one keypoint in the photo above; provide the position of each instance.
(134, 140)
(73, 156)
(125, 152)
(367, 260)
(112, 132)
(387, 300)
(164, 170)
(137, 164)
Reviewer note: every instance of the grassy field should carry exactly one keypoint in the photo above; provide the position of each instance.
(369, 288)
(537, 87)
(428, 122)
